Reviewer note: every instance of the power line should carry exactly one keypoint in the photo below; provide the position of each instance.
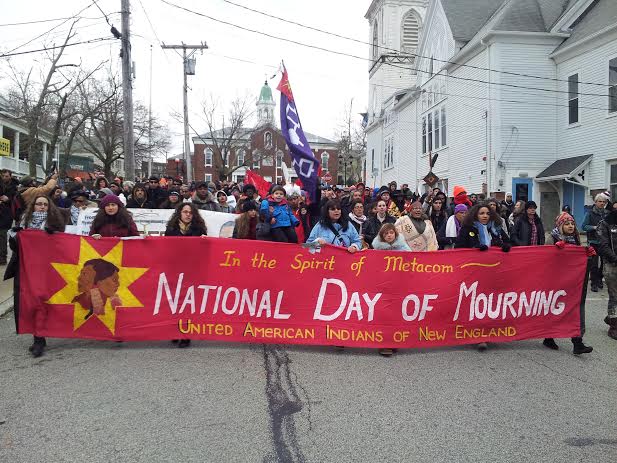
(100, 39)
(352, 39)
(366, 59)
(47, 32)
(25, 23)
(101, 10)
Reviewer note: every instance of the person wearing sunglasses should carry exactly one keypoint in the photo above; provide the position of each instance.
(40, 214)
(334, 229)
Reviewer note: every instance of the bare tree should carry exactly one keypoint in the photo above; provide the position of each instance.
(351, 147)
(233, 135)
(34, 101)
(102, 133)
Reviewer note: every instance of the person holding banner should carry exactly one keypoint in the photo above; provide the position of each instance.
(112, 220)
(40, 214)
(565, 232)
(246, 223)
(334, 228)
(476, 233)
(417, 230)
(186, 221)
(376, 220)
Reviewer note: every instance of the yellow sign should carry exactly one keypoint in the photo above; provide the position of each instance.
(5, 147)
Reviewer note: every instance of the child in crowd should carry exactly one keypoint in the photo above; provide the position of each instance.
(389, 239)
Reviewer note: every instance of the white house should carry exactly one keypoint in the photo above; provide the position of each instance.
(511, 95)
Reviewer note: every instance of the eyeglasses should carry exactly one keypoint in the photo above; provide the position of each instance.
(334, 208)
(41, 204)
(153, 181)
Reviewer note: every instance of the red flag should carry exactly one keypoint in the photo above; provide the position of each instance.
(262, 185)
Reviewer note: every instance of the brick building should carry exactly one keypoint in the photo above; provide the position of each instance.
(261, 149)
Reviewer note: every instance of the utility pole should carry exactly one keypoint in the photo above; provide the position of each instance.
(127, 93)
(150, 121)
(188, 64)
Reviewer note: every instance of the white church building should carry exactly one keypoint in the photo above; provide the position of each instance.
(505, 95)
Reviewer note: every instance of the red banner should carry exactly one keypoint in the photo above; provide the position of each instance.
(232, 290)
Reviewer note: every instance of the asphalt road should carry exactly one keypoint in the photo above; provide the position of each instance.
(151, 402)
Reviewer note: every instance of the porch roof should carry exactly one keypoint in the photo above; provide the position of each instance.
(564, 168)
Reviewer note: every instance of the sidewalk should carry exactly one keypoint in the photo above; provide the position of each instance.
(6, 293)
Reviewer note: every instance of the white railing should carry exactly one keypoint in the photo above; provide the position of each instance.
(20, 167)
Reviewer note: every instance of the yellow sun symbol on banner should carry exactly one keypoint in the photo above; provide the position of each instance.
(77, 290)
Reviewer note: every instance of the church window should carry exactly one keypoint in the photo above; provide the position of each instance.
(268, 140)
(325, 157)
(375, 40)
(410, 32)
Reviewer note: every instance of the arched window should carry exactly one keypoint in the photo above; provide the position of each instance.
(209, 155)
(325, 157)
(240, 158)
(375, 39)
(268, 140)
(410, 32)
(279, 159)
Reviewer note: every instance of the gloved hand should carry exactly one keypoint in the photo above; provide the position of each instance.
(17, 229)
(483, 247)
(49, 231)
(591, 251)
(506, 247)
(560, 244)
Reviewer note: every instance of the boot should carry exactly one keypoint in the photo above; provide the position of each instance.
(38, 346)
(580, 348)
(550, 343)
(612, 331)
(482, 346)
(184, 343)
(594, 287)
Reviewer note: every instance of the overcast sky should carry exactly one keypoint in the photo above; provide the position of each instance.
(236, 63)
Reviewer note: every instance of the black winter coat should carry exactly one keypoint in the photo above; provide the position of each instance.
(193, 231)
(469, 237)
(607, 238)
(521, 233)
(373, 225)
(133, 204)
(6, 214)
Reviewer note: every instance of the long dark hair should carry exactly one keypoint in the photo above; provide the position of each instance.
(472, 215)
(55, 220)
(325, 216)
(196, 222)
(123, 218)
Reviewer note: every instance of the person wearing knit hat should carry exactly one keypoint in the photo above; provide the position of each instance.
(113, 219)
(417, 230)
(564, 233)
(447, 235)
(460, 197)
(528, 229)
(596, 214)
(221, 198)
(172, 201)
(276, 211)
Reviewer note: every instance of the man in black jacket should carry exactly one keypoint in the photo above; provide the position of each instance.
(8, 190)
(607, 248)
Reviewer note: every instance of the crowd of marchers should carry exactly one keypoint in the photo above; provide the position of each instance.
(355, 218)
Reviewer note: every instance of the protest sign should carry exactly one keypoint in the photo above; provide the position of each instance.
(153, 222)
(248, 291)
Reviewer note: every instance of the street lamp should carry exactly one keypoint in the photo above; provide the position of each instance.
(345, 160)
(177, 167)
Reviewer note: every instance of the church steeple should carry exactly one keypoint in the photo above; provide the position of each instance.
(265, 106)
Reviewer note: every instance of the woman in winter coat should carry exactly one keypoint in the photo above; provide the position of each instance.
(565, 232)
(376, 220)
(389, 239)
(518, 211)
(417, 230)
(113, 220)
(334, 228)
(358, 219)
(476, 233)
(392, 207)
(437, 214)
(497, 221)
(186, 221)
(448, 233)
(40, 214)
(246, 223)
(528, 229)
(275, 210)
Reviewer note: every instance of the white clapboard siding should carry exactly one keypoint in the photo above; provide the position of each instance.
(597, 132)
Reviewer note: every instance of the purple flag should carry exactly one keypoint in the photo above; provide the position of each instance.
(305, 164)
